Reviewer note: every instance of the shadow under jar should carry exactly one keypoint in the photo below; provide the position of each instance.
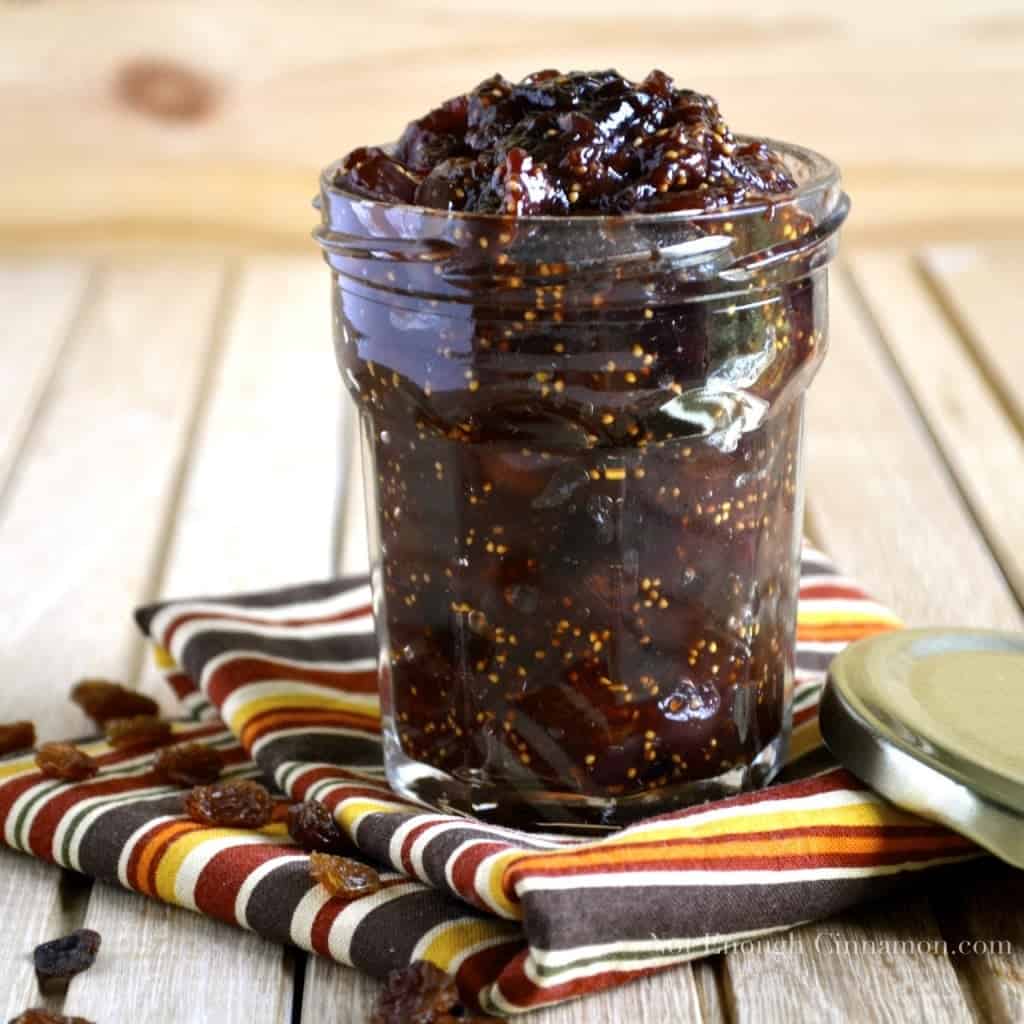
(582, 441)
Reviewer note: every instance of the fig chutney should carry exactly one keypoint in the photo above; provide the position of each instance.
(578, 316)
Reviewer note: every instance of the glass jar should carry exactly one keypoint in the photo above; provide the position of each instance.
(582, 442)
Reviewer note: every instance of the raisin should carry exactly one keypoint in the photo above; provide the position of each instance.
(138, 731)
(342, 876)
(17, 736)
(240, 803)
(418, 994)
(39, 1016)
(313, 827)
(189, 764)
(102, 700)
(58, 961)
(65, 761)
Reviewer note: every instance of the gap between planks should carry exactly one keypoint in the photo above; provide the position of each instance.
(255, 509)
(967, 420)
(935, 329)
(978, 287)
(856, 416)
(75, 541)
(841, 528)
(43, 304)
(887, 496)
(908, 985)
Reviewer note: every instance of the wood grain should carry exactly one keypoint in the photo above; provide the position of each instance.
(163, 963)
(980, 288)
(258, 502)
(224, 123)
(749, 993)
(256, 510)
(984, 926)
(709, 976)
(337, 993)
(983, 448)
(879, 495)
(886, 506)
(76, 542)
(39, 300)
(84, 520)
(33, 912)
(841, 971)
(882, 503)
(889, 496)
(332, 992)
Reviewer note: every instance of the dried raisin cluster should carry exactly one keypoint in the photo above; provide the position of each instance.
(240, 803)
(582, 142)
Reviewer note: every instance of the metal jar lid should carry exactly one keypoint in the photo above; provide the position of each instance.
(933, 719)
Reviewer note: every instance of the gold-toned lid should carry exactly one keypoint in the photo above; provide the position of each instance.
(934, 720)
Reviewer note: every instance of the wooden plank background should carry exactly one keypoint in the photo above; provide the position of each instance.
(237, 441)
(171, 418)
(212, 117)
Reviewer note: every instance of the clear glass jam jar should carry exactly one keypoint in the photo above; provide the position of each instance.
(582, 444)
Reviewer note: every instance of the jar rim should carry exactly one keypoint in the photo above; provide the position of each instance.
(818, 179)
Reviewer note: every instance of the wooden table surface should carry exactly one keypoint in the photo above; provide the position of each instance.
(212, 117)
(171, 418)
(174, 424)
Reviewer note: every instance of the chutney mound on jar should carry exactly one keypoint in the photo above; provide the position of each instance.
(584, 142)
(582, 448)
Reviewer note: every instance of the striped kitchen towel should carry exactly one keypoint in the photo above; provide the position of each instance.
(284, 683)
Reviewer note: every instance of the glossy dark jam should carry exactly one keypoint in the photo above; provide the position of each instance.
(577, 143)
(582, 441)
